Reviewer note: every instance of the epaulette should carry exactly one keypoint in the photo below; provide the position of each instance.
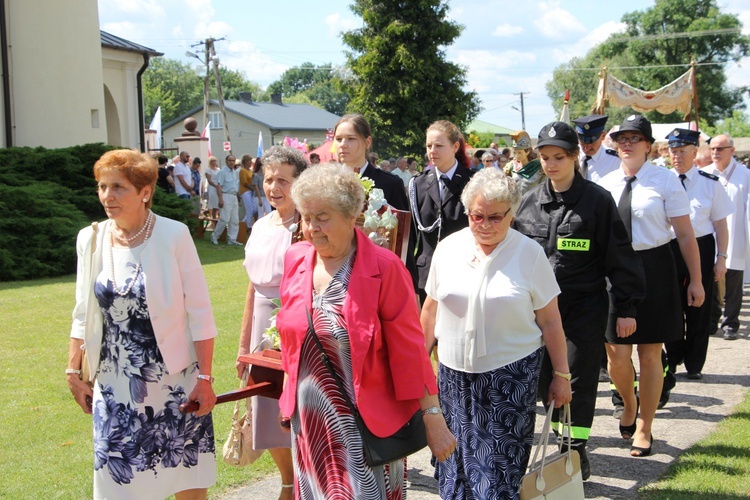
(611, 152)
(710, 176)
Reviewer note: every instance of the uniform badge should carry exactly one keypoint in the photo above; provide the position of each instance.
(552, 132)
(676, 133)
(586, 126)
(631, 118)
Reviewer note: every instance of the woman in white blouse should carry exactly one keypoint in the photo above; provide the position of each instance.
(656, 204)
(492, 303)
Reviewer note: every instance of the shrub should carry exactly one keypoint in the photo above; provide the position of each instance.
(46, 197)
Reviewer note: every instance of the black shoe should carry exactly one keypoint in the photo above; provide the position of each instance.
(585, 465)
(627, 431)
(694, 375)
(637, 451)
(664, 400)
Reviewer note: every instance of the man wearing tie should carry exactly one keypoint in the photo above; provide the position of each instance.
(709, 207)
(595, 160)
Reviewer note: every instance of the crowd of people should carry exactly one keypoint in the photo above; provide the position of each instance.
(529, 270)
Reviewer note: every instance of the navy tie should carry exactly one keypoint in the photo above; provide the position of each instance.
(623, 207)
(682, 180)
(585, 168)
(446, 191)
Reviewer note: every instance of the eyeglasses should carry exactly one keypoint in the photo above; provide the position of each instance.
(629, 140)
(486, 161)
(494, 219)
(720, 148)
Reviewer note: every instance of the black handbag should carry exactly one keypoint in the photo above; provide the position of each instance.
(409, 439)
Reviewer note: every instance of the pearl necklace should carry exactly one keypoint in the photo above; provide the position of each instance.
(149, 221)
(293, 228)
(123, 293)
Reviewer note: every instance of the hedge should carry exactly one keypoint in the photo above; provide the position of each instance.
(46, 197)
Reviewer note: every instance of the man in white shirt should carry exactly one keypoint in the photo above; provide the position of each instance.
(596, 161)
(228, 188)
(183, 179)
(401, 171)
(735, 178)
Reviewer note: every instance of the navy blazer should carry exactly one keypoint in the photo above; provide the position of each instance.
(429, 207)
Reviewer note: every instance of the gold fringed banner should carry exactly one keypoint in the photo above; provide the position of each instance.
(676, 96)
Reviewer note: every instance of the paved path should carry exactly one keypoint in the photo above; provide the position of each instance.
(693, 411)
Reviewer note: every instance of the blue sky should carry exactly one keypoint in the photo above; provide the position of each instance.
(507, 47)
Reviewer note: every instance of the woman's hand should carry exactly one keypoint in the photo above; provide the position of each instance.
(625, 327)
(559, 391)
(204, 395)
(695, 294)
(82, 393)
(439, 438)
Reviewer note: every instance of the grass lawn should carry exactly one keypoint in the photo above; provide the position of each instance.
(45, 439)
(718, 467)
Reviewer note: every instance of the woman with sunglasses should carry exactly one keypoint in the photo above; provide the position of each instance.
(651, 202)
(577, 224)
(492, 304)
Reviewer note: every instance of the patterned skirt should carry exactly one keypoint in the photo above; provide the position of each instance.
(329, 461)
(492, 415)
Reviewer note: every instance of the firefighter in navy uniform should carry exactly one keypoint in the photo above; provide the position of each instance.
(578, 225)
(596, 161)
(709, 207)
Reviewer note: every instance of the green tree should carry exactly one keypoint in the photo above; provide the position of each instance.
(737, 125)
(321, 85)
(401, 80)
(655, 40)
(177, 87)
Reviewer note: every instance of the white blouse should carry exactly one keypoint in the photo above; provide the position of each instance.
(520, 281)
(657, 196)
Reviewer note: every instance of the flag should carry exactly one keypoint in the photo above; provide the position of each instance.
(565, 113)
(156, 125)
(207, 133)
(260, 144)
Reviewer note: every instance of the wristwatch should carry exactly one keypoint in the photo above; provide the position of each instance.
(207, 378)
(722, 254)
(432, 410)
(566, 376)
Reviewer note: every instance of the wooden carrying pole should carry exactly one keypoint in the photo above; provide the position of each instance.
(695, 94)
(266, 379)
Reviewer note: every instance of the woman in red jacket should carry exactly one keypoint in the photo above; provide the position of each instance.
(363, 309)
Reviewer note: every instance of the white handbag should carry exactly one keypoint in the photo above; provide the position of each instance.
(558, 477)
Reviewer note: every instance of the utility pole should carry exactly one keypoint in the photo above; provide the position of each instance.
(209, 53)
(523, 114)
(217, 75)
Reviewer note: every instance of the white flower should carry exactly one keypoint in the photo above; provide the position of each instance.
(388, 220)
(372, 219)
(376, 199)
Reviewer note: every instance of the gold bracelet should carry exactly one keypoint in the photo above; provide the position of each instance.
(566, 376)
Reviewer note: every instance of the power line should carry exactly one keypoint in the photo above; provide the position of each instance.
(682, 34)
(653, 66)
